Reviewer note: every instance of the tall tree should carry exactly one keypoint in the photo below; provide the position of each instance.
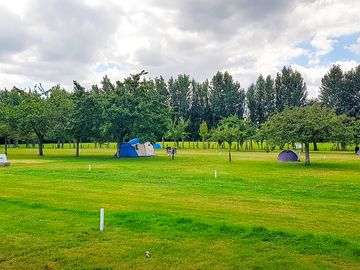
(196, 104)
(35, 114)
(61, 105)
(260, 111)
(269, 97)
(290, 89)
(332, 84)
(251, 103)
(178, 91)
(84, 119)
(226, 97)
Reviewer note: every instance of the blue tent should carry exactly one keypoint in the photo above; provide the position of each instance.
(157, 146)
(134, 148)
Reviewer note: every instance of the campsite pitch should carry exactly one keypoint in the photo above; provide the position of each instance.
(257, 214)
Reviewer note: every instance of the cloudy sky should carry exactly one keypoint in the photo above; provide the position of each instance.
(58, 41)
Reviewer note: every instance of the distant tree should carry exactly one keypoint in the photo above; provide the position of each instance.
(341, 91)
(5, 129)
(332, 84)
(246, 131)
(226, 98)
(356, 131)
(178, 91)
(203, 132)
(261, 100)
(305, 124)
(35, 114)
(161, 87)
(290, 89)
(84, 119)
(176, 130)
(269, 97)
(251, 103)
(61, 105)
(350, 99)
(228, 131)
(150, 112)
(195, 108)
(260, 111)
(10, 127)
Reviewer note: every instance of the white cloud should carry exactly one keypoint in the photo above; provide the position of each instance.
(322, 46)
(57, 41)
(313, 74)
(355, 48)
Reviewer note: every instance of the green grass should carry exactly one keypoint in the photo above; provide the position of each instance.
(258, 213)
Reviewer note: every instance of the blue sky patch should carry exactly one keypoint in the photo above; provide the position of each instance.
(340, 51)
(103, 67)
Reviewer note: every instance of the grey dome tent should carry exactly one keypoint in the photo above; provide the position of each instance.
(288, 156)
(358, 152)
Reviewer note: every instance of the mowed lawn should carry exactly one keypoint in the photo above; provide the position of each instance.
(257, 214)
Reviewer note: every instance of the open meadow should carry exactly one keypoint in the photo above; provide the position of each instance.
(257, 214)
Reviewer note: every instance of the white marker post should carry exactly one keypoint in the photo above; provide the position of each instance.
(215, 173)
(324, 157)
(101, 219)
(89, 167)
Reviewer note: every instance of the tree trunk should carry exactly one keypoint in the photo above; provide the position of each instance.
(315, 146)
(77, 147)
(16, 143)
(343, 146)
(6, 146)
(307, 153)
(118, 143)
(162, 140)
(41, 147)
(182, 143)
(203, 142)
(229, 152)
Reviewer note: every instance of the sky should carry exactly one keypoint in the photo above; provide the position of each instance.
(58, 41)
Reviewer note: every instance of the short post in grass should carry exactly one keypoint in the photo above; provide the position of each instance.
(324, 157)
(89, 167)
(215, 173)
(101, 219)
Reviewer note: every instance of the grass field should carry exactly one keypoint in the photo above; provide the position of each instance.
(257, 214)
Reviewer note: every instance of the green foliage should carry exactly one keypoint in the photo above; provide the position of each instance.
(61, 105)
(290, 89)
(228, 130)
(226, 98)
(177, 130)
(356, 131)
(340, 90)
(204, 130)
(307, 124)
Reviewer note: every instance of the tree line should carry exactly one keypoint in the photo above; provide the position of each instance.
(180, 108)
